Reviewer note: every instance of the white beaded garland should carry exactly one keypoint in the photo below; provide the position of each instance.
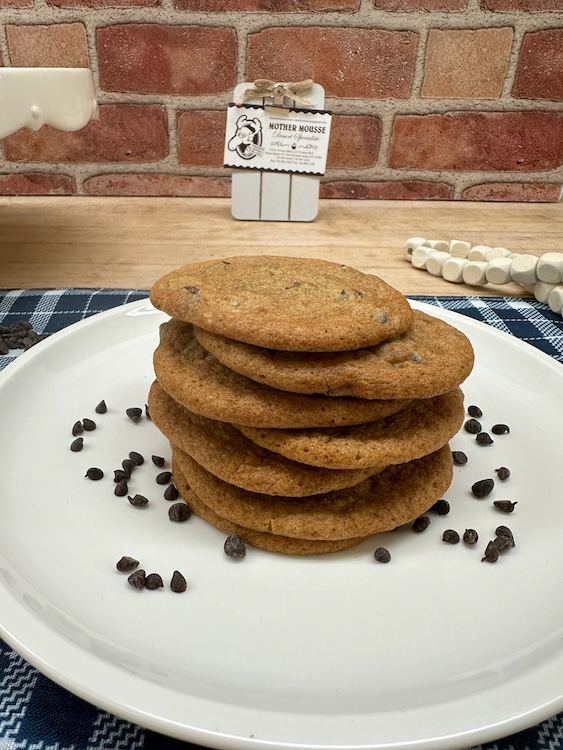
(457, 261)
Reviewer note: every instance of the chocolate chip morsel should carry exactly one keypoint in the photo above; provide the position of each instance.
(126, 564)
(482, 488)
(382, 555)
(234, 546)
(137, 579)
(178, 583)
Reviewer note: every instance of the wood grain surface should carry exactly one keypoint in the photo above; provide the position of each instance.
(127, 242)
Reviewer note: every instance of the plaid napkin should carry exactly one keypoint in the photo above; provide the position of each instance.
(37, 714)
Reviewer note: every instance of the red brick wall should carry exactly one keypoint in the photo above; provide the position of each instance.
(432, 99)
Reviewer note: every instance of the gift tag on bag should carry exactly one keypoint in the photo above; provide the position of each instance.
(276, 142)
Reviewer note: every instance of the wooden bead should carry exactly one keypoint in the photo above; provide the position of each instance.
(460, 248)
(528, 287)
(550, 268)
(452, 270)
(555, 299)
(542, 290)
(435, 262)
(442, 245)
(479, 252)
(420, 255)
(474, 273)
(498, 271)
(497, 252)
(411, 244)
(523, 269)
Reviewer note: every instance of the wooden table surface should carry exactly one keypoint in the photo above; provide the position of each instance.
(77, 241)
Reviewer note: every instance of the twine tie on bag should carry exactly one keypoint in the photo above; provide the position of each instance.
(278, 91)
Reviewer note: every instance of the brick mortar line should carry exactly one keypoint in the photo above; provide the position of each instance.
(387, 20)
(459, 182)
(341, 106)
(173, 144)
(4, 52)
(368, 174)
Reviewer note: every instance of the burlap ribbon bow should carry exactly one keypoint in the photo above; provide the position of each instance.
(277, 90)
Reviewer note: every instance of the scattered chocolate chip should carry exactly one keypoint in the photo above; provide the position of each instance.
(483, 438)
(505, 531)
(505, 506)
(502, 543)
(178, 582)
(483, 487)
(147, 412)
(126, 564)
(153, 581)
(158, 460)
(137, 501)
(503, 473)
(460, 459)
(474, 411)
(137, 458)
(134, 413)
(77, 444)
(234, 546)
(119, 475)
(470, 536)
(128, 465)
(18, 336)
(77, 429)
(88, 424)
(101, 408)
(192, 289)
(382, 555)
(500, 429)
(121, 488)
(472, 426)
(94, 473)
(171, 492)
(450, 536)
(137, 579)
(179, 512)
(441, 507)
(421, 524)
(164, 477)
(491, 553)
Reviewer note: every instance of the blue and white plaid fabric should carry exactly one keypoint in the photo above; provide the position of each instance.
(37, 714)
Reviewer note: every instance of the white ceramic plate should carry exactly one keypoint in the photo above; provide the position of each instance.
(435, 650)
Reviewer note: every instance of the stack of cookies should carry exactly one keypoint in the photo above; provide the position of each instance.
(307, 405)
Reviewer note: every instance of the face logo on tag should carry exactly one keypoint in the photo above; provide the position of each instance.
(276, 139)
(247, 140)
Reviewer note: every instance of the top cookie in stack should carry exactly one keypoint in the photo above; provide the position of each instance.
(307, 405)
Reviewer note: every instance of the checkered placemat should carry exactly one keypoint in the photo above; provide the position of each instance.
(37, 714)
